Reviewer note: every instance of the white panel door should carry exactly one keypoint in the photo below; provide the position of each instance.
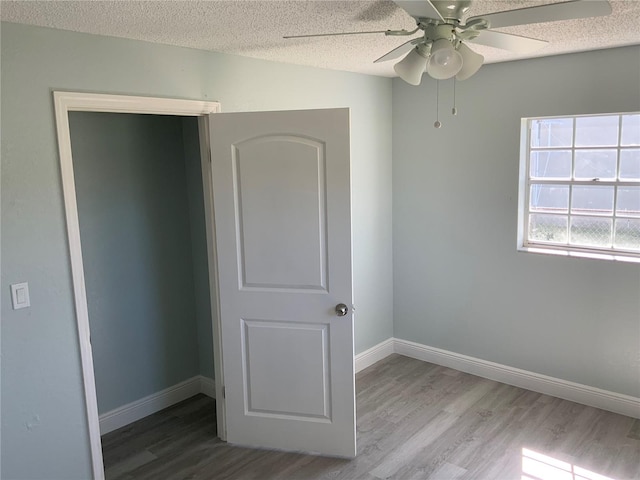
(281, 187)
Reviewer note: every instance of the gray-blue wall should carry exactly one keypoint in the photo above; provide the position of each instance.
(459, 283)
(44, 429)
(135, 226)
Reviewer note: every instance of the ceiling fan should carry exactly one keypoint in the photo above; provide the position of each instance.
(442, 49)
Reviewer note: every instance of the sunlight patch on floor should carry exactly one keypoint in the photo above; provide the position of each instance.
(536, 466)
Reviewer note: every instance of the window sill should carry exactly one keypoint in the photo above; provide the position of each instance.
(579, 254)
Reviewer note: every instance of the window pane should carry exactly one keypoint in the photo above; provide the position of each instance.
(591, 231)
(583, 180)
(552, 132)
(627, 234)
(549, 198)
(548, 228)
(594, 200)
(630, 164)
(551, 164)
(628, 201)
(599, 164)
(630, 130)
(597, 131)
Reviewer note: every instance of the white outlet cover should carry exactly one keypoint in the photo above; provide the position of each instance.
(20, 295)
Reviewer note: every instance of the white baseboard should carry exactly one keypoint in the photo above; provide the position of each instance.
(155, 402)
(374, 354)
(207, 386)
(575, 392)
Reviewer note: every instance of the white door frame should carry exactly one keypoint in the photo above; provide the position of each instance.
(65, 102)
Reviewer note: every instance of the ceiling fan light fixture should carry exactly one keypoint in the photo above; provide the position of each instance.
(445, 61)
(411, 67)
(471, 62)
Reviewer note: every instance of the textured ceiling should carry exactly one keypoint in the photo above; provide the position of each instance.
(255, 28)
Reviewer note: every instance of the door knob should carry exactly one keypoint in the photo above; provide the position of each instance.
(341, 309)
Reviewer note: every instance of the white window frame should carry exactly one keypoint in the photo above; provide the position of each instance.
(524, 188)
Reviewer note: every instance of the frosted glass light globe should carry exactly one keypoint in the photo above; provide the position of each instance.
(411, 67)
(445, 61)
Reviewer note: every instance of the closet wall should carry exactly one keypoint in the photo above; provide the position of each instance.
(139, 192)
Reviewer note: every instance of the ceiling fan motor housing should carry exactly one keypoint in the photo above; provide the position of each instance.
(452, 10)
(436, 32)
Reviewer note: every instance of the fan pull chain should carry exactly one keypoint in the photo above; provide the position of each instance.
(454, 110)
(437, 123)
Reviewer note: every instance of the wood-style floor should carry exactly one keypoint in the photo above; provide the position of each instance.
(416, 420)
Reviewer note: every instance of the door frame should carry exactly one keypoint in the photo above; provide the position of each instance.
(65, 102)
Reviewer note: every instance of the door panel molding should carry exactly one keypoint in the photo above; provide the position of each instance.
(253, 160)
(289, 338)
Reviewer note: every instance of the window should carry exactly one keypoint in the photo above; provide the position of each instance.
(580, 186)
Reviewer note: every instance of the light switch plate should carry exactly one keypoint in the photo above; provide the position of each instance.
(20, 295)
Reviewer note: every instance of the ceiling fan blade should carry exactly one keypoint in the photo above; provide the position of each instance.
(419, 8)
(398, 51)
(547, 13)
(334, 34)
(507, 41)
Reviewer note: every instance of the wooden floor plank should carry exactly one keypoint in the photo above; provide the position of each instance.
(415, 421)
